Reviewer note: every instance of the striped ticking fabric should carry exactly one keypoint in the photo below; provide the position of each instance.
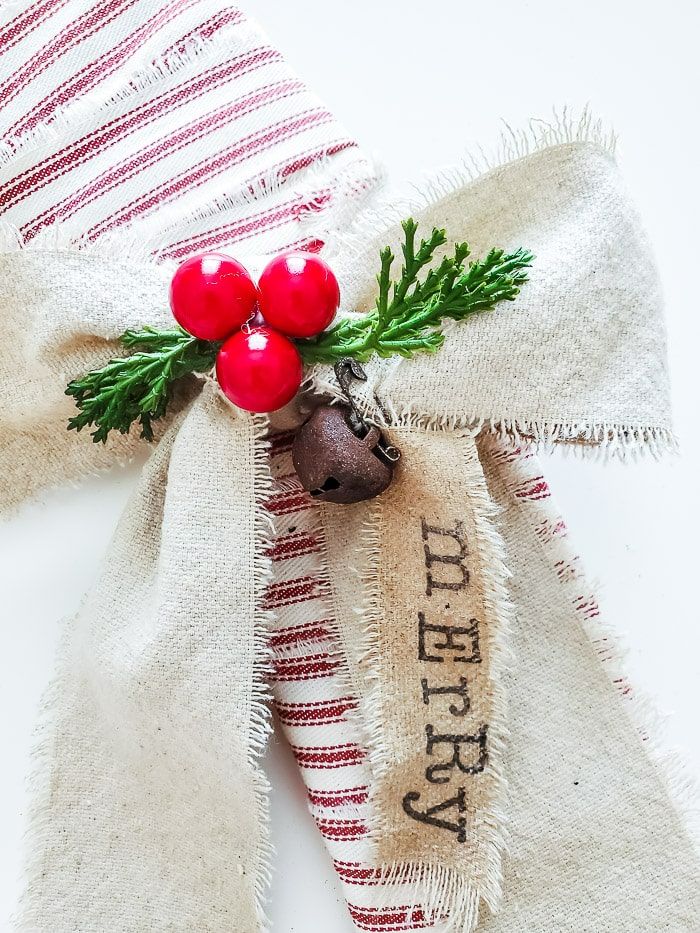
(176, 120)
(175, 117)
(316, 705)
(315, 702)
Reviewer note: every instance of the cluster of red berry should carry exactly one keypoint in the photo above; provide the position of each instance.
(214, 298)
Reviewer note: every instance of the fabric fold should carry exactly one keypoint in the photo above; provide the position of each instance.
(189, 133)
(427, 654)
(62, 314)
(580, 355)
(150, 800)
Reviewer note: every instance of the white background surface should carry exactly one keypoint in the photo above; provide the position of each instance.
(417, 84)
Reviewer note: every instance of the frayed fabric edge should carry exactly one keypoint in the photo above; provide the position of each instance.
(674, 771)
(260, 719)
(597, 440)
(350, 183)
(448, 900)
(41, 757)
(346, 237)
(672, 766)
(260, 727)
(443, 892)
(196, 51)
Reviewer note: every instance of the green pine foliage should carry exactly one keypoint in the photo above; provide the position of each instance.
(408, 313)
(137, 388)
(406, 320)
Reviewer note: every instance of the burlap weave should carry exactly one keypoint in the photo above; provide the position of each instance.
(152, 811)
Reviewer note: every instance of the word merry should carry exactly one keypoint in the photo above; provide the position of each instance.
(444, 689)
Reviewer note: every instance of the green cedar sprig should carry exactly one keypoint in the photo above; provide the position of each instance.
(137, 388)
(406, 320)
(408, 313)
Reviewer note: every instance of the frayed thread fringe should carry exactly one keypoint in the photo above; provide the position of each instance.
(196, 53)
(682, 787)
(259, 728)
(139, 242)
(442, 891)
(594, 440)
(347, 187)
(347, 237)
(39, 784)
(260, 717)
(122, 247)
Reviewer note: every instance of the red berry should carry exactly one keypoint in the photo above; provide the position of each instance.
(299, 294)
(260, 370)
(211, 295)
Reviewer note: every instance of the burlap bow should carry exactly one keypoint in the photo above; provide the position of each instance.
(455, 635)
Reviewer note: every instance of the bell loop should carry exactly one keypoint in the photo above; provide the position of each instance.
(338, 455)
(345, 370)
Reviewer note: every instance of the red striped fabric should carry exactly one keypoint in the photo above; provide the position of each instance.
(196, 134)
(98, 16)
(106, 64)
(316, 713)
(317, 709)
(27, 21)
(114, 110)
(319, 713)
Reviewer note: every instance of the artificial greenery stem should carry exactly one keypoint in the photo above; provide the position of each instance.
(406, 320)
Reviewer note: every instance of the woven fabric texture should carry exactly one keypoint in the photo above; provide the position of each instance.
(133, 135)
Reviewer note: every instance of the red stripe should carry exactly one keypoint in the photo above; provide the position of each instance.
(347, 830)
(222, 161)
(328, 757)
(309, 667)
(356, 873)
(298, 590)
(388, 918)
(322, 713)
(100, 139)
(299, 634)
(210, 122)
(533, 489)
(339, 798)
(242, 230)
(282, 503)
(281, 443)
(283, 172)
(239, 230)
(164, 147)
(100, 68)
(27, 21)
(98, 17)
(296, 544)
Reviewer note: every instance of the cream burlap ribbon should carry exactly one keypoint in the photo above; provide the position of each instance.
(151, 813)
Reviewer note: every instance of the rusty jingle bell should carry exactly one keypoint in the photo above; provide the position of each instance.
(340, 458)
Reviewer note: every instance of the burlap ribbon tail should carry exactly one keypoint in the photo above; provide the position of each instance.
(470, 675)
